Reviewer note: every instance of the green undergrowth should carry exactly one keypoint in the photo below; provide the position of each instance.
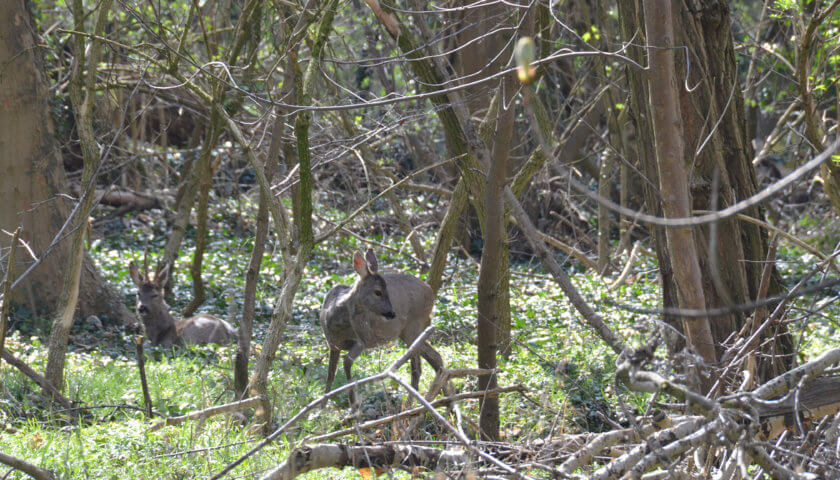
(567, 372)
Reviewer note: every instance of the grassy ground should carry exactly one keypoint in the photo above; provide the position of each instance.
(567, 371)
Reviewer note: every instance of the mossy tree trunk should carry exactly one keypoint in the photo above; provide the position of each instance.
(298, 250)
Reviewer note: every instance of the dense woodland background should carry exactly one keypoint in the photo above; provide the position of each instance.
(627, 212)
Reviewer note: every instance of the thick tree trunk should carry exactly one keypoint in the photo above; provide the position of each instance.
(673, 181)
(32, 177)
(733, 274)
(478, 48)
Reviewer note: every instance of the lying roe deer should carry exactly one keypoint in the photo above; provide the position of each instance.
(377, 309)
(161, 328)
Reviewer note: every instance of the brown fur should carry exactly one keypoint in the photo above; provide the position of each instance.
(375, 310)
(161, 328)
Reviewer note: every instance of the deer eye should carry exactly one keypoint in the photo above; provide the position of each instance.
(378, 293)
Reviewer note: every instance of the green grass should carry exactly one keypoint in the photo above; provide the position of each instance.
(567, 370)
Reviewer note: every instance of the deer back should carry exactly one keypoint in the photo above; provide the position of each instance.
(413, 301)
(204, 328)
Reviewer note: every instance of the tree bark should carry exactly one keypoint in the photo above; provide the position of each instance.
(305, 241)
(246, 323)
(733, 273)
(490, 276)
(673, 181)
(82, 83)
(32, 177)
(204, 177)
(479, 54)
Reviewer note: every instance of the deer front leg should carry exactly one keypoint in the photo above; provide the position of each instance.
(354, 352)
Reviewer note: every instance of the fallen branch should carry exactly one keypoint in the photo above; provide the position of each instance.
(380, 457)
(117, 197)
(594, 446)
(48, 388)
(790, 379)
(820, 398)
(208, 412)
(37, 473)
(734, 421)
(414, 411)
(624, 463)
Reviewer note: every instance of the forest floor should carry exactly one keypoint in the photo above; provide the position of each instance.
(566, 370)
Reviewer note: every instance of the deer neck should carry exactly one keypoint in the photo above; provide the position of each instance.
(347, 298)
(164, 330)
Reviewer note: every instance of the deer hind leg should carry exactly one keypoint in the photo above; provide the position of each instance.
(432, 356)
(354, 352)
(334, 354)
(416, 371)
(441, 381)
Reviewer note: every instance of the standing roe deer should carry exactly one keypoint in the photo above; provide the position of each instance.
(161, 327)
(375, 310)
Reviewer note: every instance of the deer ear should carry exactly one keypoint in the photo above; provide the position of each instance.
(373, 265)
(162, 276)
(360, 265)
(135, 274)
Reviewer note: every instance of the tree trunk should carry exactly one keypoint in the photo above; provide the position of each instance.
(489, 276)
(733, 273)
(32, 177)
(82, 84)
(673, 181)
(302, 208)
(246, 323)
(478, 55)
(204, 177)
